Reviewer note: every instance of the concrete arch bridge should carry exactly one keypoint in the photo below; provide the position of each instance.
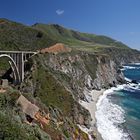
(17, 60)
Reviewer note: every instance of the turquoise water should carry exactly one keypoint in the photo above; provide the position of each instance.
(129, 100)
(118, 109)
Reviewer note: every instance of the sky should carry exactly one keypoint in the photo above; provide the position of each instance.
(119, 19)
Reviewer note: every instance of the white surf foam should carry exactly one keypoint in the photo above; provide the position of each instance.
(132, 87)
(127, 79)
(137, 63)
(109, 116)
(130, 67)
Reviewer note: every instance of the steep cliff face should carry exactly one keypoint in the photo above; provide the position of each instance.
(42, 85)
(123, 56)
(79, 71)
(60, 80)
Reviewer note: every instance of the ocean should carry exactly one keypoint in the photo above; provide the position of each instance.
(118, 109)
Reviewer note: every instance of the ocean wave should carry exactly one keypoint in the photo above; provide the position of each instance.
(130, 67)
(127, 79)
(132, 87)
(136, 63)
(109, 117)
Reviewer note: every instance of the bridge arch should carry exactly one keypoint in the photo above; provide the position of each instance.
(13, 66)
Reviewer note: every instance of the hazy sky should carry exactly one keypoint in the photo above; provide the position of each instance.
(119, 19)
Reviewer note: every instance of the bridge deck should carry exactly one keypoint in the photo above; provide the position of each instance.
(24, 52)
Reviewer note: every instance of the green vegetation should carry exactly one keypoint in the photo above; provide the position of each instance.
(11, 130)
(15, 36)
(11, 127)
(4, 65)
(51, 92)
(75, 39)
(91, 63)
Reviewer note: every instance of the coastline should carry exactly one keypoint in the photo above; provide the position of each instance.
(114, 109)
(90, 105)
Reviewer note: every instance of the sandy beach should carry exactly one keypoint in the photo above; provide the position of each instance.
(90, 105)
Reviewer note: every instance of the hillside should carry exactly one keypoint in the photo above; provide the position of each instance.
(75, 39)
(46, 105)
(16, 36)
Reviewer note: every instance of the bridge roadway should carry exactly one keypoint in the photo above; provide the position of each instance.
(17, 60)
(27, 52)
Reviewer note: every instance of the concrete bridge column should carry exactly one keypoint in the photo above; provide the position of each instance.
(22, 62)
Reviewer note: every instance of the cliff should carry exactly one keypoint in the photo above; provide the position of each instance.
(56, 79)
(61, 80)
